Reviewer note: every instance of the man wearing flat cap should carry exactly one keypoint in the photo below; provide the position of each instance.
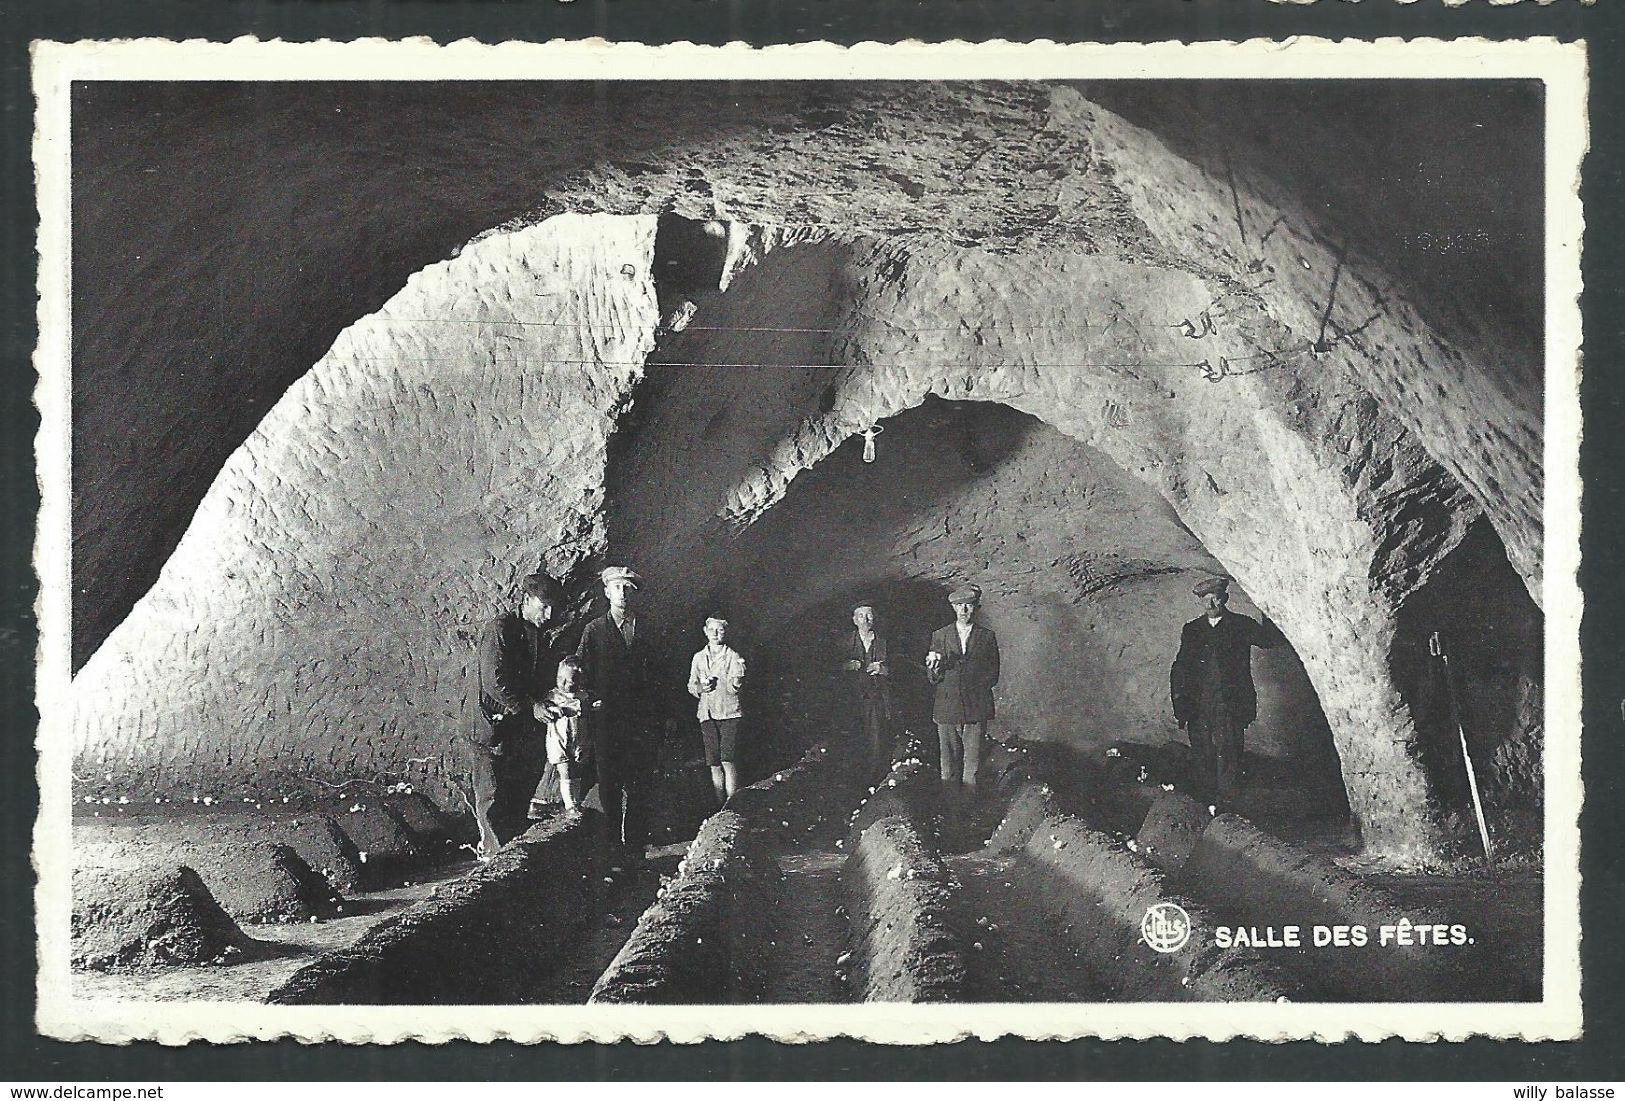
(615, 659)
(963, 664)
(868, 678)
(518, 660)
(1212, 687)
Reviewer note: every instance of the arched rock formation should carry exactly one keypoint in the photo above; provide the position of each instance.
(315, 620)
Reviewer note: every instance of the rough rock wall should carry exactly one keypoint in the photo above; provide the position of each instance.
(1080, 303)
(1461, 238)
(1289, 473)
(317, 619)
(277, 268)
(225, 234)
(1472, 402)
(1087, 575)
(1494, 686)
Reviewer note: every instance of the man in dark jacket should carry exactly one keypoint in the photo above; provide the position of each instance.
(1212, 687)
(868, 677)
(518, 659)
(615, 658)
(963, 663)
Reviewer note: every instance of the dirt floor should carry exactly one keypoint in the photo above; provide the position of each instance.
(1016, 951)
(1504, 908)
(812, 933)
(625, 898)
(276, 953)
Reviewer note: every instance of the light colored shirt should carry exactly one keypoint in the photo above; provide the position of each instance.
(964, 630)
(725, 664)
(564, 731)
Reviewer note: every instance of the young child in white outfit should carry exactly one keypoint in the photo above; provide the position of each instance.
(572, 732)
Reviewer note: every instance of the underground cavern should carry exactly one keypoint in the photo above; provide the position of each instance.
(782, 353)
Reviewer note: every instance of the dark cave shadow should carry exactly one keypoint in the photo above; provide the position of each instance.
(1279, 790)
(807, 696)
(118, 562)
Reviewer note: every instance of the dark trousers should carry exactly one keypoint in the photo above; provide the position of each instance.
(504, 782)
(1217, 746)
(873, 731)
(625, 787)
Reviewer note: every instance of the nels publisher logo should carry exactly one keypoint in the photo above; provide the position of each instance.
(1166, 927)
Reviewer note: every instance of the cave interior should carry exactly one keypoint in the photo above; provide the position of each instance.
(1045, 430)
(1087, 572)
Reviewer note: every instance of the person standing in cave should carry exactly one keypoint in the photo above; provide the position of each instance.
(869, 674)
(614, 653)
(1212, 687)
(963, 664)
(518, 657)
(715, 678)
(571, 716)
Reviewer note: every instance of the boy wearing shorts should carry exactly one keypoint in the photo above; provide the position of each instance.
(715, 677)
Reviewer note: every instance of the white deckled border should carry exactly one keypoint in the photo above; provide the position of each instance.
(1562, 67)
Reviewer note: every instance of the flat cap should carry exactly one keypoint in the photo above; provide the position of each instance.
(542, 585)
(1212, 585)
(965, 594)
(621, 573)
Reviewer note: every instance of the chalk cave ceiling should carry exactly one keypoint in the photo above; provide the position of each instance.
(226, 234)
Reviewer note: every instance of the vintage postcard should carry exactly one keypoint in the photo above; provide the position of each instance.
(591, 541)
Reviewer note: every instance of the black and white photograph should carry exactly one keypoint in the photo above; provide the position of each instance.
(592, 542)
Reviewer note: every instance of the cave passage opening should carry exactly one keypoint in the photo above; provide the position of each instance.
(780, 347)
(1087, 578)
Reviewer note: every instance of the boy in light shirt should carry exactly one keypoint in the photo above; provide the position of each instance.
(715, 677)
